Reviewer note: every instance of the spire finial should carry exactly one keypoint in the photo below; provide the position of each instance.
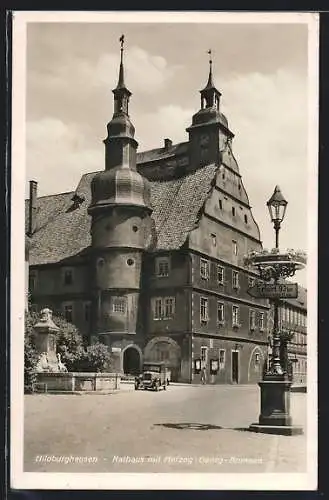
(210, 60)
(122, 41)
(210, 80)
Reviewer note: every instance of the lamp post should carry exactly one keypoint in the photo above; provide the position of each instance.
(273, 268)
(277, 206)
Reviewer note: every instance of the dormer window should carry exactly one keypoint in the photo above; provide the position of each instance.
(214, 239)
(162, 266)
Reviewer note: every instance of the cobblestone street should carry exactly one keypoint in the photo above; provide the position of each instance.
(183, 429)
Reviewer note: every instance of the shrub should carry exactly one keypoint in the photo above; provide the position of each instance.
(96, 358)
(30, 354)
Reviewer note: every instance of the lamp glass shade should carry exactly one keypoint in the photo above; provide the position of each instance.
(277, 206)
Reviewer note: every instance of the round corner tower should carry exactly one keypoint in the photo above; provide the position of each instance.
(120, 209)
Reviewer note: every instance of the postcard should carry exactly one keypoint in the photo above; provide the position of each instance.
(164, 250)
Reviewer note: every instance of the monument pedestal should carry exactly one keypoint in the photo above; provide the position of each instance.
(275, 415)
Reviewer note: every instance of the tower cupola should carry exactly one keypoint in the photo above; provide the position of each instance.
(120, 183)
(210, 103)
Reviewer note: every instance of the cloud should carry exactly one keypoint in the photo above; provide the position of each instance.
(268, 114)
(167, 121)
(144, 72)
(57, 156)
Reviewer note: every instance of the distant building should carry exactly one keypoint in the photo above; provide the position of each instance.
(293, 315)
(147, 255)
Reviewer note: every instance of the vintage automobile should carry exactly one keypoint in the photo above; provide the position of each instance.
(155, 375)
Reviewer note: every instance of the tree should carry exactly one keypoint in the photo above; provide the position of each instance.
(30, 354)
(96, 358)
(69, 343)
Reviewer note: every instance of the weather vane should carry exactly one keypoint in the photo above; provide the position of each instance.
(210, 60)
(122, 41)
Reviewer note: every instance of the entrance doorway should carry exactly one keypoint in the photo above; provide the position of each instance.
(131, 361)
(235, 367)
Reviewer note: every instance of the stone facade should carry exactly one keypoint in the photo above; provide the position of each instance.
(147, 255)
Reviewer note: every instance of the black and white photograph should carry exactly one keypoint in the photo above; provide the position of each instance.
(164, 250)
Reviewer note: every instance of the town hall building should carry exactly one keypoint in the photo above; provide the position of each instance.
(146, 255)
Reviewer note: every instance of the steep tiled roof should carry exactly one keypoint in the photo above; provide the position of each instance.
(161, 153)
(63, 228)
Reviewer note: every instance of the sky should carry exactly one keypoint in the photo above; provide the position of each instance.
(260, 69)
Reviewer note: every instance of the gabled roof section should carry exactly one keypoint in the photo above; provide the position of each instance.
(63, 228)
(161, 153)
(176, 205)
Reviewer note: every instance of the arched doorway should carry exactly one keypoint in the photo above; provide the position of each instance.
(167, 350)
(131, 361)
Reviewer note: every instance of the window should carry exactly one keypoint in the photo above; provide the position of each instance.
(87, 309)
(119, 305)
(68, 312)
(220, 275)
(220, 312)
(222, 353)
(204, 309)
(32, 281)
(235, 279)
(164, 307)
(234, 247)
(162, 266)
(204, 269)
(251, 281)
(261, 321)
(252, 320)
(157, 308)
(68, 276)
(169, 307)
(233, 211)
(220, 204)
(257, 359)
(204, 354)
(214, 239)
(246, 218)
(235, 316)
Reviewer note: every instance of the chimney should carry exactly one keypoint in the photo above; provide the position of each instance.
(167, 143)
(32, 207)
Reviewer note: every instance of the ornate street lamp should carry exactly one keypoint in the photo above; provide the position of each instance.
(273, 267)
(277, 206)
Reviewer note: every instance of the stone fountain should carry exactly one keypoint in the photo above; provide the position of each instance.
(52, 374)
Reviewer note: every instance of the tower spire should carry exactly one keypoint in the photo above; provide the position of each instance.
(121, 93)
(121, 83)
(210, 82)
(210, 96)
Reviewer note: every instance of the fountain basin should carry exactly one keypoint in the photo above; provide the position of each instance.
(77, 382)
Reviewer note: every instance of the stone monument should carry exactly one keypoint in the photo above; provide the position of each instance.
(45, 342)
